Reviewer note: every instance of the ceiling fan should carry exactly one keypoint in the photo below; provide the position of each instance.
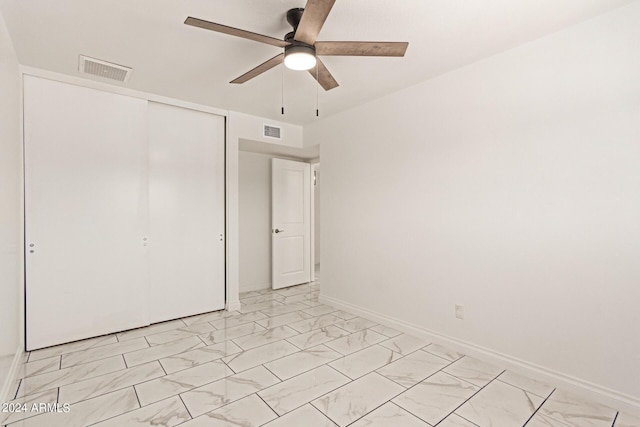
(300, 46)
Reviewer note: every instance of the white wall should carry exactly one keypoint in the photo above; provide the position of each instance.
(254, 183)
(511, 186)
(9, 201)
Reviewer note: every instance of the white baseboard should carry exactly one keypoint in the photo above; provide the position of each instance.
(10, 381)
(615, 399)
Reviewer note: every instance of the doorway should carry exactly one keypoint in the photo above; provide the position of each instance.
(255, 209)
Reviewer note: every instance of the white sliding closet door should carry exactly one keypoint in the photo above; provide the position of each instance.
(85, 212)
(186, 195)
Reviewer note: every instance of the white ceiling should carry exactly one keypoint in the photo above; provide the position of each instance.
(179, 61)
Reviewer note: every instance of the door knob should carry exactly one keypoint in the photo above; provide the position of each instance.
(278, 231)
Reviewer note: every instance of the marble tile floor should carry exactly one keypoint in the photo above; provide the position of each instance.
(283, 360)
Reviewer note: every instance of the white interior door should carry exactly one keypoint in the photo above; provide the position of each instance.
(85, 212)
(291, 223)
(186, 195)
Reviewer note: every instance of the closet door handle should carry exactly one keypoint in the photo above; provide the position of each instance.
(278, 231)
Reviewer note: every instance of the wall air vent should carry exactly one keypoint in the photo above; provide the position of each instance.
(271, 131)
(104, 69)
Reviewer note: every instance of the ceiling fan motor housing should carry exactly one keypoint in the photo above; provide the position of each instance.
(294, 16)
(297, 48)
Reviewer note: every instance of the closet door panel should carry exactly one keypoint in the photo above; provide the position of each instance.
(186, 207)
(85, 212)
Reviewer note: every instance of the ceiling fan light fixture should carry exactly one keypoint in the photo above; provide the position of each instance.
(299, 57)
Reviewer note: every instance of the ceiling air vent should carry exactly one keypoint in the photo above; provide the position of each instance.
(104, 69)
(271, 131)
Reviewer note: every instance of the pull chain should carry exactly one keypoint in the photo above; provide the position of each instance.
(317, 91)
(282, 98)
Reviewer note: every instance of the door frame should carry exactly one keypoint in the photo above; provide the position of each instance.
(314, 167)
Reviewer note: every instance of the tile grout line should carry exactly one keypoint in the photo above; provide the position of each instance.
(99, 343)
(220, 379)
(301, 351)
(268, 406)
(267, 319)
(459, 379)
(162, 367)
(453, 413)
(364, 415)
(15, 396)
(102, 357)
(441, 357)
(424, 379)
(224, 405)
(74, 382)
(199, 364)
(184, 391)
(120, 371)
(477, 392)
(125, 412)
(185, 407)
(234, 338)
(210, 322)
(232, 370)
(273, 373)
(467, 381)
(144, 362)
(239, 372)
(320, 397)
(538, 408)
(520, 388)
(137, 397)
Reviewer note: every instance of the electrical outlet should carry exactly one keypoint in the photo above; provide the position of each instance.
(459, 311)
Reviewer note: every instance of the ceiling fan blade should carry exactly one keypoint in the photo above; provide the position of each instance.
(265, 66)
(323, 76)
(201, 23)
(361, 48)
(315, 13)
